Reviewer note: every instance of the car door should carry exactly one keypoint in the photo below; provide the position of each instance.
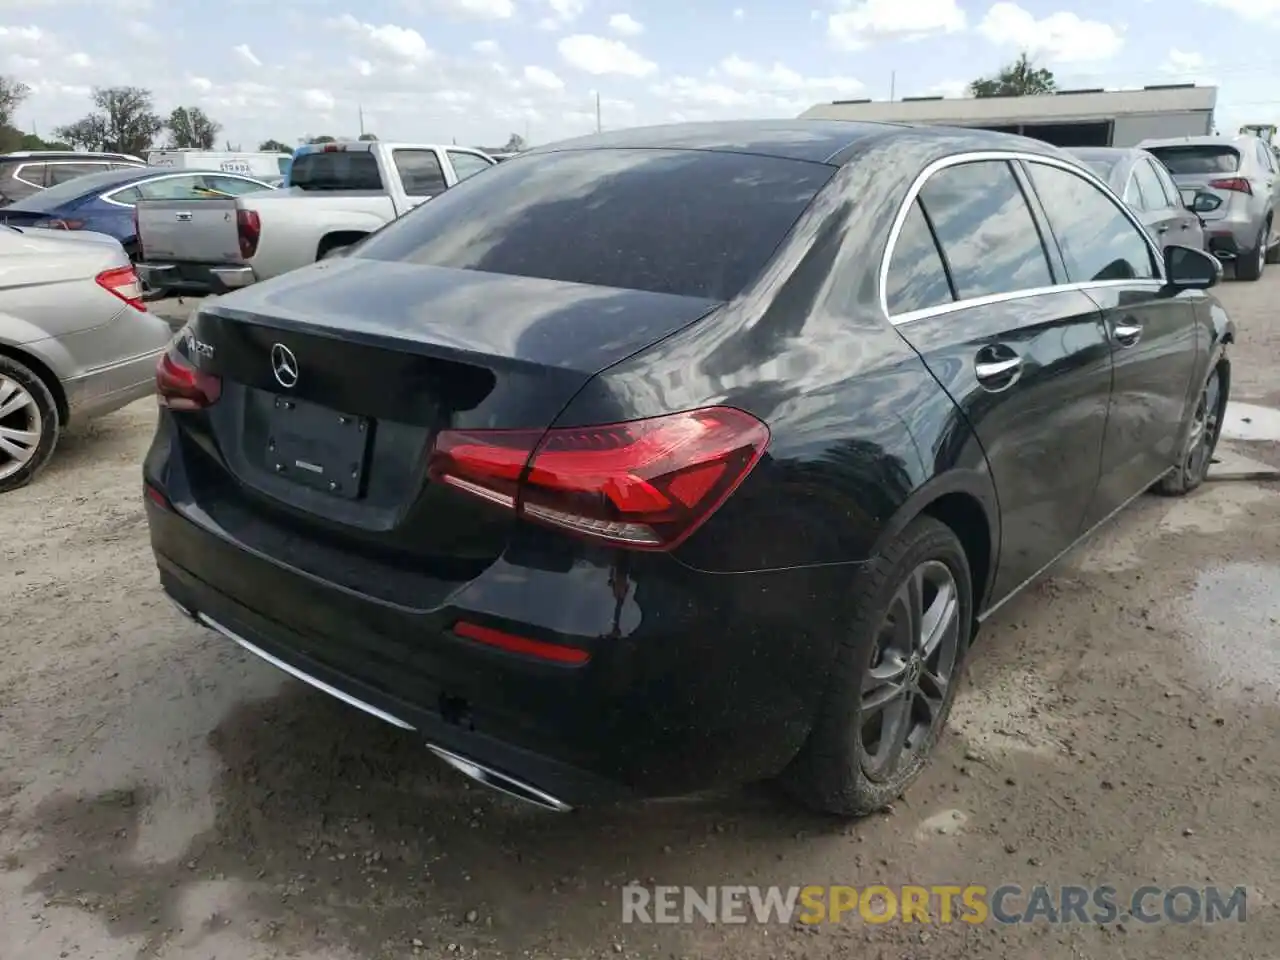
(1190, 229)
(1150, 328)
(1023, 356)
(1162, 220)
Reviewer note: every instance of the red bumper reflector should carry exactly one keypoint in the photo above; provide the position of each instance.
(155, 496)
(539, 649)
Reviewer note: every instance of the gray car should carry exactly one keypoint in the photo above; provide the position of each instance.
(1237, 177)
(1147, 187)
(76, 340)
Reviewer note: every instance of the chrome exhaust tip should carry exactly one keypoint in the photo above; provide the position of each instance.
(501, 782)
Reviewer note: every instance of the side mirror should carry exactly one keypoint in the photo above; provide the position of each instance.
(1201, 202)
(1187, 268)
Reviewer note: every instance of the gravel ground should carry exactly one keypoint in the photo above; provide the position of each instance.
(162, 794)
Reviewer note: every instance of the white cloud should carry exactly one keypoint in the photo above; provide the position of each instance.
(321, 101)
(948, 88)
(80, 60)
(486, 48)
(740, 14)
(479, 9)
(736, 86)
(363, 67)
(543, 78)
(567, 10)
(17, 36)
(203, 84)
(626, 25)
(599, 56)
(403, 43)
(1256, 11)
(142, 32)
(869, 20)
(247, 55)
(1180, 61)
(1060, 37)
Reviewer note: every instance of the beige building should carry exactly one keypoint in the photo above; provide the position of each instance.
(1068, 118)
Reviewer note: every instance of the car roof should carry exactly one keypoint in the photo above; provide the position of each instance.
(1104, 153)
(818, 141)
(39, 156)
(1201, 141)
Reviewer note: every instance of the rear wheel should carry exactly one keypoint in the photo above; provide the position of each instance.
(28, 424)
(1250, 264)
(1273, 252)
(895, 677)
(1202, 439)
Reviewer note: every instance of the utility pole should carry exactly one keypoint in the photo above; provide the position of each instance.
(598, 111)
(360, 108)
(893, 83)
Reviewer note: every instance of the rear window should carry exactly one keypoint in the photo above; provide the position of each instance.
(1197, 159)
(336, 170)
(686, 222)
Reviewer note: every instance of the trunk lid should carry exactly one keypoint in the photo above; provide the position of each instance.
(337, 377)
(195, 231)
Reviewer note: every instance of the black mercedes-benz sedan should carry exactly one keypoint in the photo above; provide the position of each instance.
(682, 457)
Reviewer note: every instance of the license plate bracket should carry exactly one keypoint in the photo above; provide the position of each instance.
(316, 447)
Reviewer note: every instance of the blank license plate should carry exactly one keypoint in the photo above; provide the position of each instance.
(317, 447)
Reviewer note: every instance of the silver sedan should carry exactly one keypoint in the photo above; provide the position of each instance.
(76, 340)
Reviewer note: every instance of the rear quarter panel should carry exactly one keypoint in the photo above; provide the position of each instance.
(294, 224)
(861, 433)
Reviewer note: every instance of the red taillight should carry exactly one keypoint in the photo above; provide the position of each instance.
(155, 496)
(181, 386)
(1238, 184)
(645, 484)
(60, 223)
(123, 282)
(249, 230)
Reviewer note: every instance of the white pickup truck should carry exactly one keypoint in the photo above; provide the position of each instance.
(336, 195)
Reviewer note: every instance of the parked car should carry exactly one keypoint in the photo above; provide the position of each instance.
(336, 194)
(679, 457)
(1145, 185)
(104, 202)
(30, 171)
(1238, 176)
(76, 341)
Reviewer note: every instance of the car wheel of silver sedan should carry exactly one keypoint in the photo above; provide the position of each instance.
(28, 424)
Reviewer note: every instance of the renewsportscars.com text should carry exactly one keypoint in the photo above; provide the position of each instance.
(938, 903)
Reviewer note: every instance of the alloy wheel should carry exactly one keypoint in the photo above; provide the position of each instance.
(912, 666)
(21, 427)
(1204, 428)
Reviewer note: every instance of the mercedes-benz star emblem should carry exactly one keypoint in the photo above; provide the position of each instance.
(284, 365)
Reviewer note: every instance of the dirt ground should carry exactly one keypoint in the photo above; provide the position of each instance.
(162, 794)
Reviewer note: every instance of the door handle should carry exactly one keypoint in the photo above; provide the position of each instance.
(996, 369)
(1162, 229)
(1127, 334)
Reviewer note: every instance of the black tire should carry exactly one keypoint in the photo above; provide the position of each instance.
(829, 774)
(1273, 252)
(49, 428)
(1248, 264)
(1197, 453)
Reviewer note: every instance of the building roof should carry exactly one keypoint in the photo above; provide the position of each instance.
(1062, 106)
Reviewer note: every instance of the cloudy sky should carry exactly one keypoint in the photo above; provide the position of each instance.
(479, 70)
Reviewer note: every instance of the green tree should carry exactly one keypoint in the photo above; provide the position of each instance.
(192, 127)
(124, 122)
(1018, 79)
(323, 138)
(368, 137)
(275, 146)
(515, 143)
(13, 93)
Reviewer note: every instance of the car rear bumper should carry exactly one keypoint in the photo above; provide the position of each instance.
(195, 277)
(106, 389)
(694, 680)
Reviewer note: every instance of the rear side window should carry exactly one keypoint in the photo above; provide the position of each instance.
(985, 229)
(689, 222)
(420, 172)
(63, 172)
(336, 170)
(467, 164)
(1202, 158)
(1097, 240)
(32, 173)
(1153, 197)
(917, 277)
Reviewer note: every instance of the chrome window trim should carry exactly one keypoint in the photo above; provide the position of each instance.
(1008, 156)
(96, 161)
(110, 194)
(17, 173)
